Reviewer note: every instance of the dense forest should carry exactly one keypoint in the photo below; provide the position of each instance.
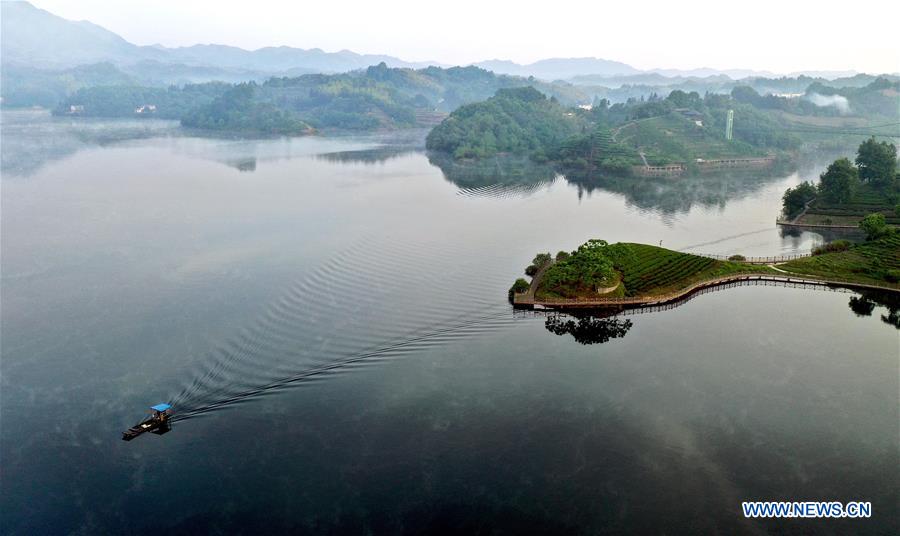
(129, 101)
(25, 86)
(237, 111)
(380, 97)
(680, 128)
(374, 98)
(516, 121)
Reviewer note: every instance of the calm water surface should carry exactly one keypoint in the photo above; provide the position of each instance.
(142, 264)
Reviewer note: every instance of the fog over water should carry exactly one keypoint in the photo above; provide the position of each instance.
(335, 309)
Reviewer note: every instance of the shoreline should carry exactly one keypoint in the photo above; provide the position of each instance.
(522, 301)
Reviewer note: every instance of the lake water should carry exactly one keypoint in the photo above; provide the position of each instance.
(329, 316)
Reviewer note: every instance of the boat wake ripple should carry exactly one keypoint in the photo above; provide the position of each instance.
(375, 301)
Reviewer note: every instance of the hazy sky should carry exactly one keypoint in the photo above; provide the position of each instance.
(780, 36)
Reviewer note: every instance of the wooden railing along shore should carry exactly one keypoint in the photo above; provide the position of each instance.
(527, 299)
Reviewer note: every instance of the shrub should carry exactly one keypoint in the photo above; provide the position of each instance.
(531, 270)
(616, 166)
(832, 247)
(562, 255)
(738, 258)
(874, 226)
(518, 287)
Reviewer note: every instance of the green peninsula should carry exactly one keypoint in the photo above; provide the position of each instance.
(599, 272)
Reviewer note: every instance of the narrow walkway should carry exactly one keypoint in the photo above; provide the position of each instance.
(523, 300)
(535, 281)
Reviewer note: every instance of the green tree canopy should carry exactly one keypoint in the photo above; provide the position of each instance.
(795, 198)
(877, 162)
(588, 267)
(839, 181)
(515, 120)
(874, 226)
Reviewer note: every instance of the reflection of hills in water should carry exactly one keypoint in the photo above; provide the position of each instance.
(506, 176)
(679, 195)
(32, 139)
(377, 155)
(501, 176)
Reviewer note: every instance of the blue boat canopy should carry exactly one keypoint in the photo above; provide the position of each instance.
(160, 407)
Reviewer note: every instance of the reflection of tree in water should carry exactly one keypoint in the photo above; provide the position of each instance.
(494, 177)
(862, 306)
(865, 303)
(588, 329)
(244, 164)
(678, 195)
(32, 139)
(378, 155)
(509, 175)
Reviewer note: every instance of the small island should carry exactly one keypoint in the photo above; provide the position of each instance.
(848, 191)
(599, 274)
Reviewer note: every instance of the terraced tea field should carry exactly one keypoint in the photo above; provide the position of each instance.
(649, 270)
(875, 262)
(866, 200)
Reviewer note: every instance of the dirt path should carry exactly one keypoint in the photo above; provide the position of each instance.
(536, 280)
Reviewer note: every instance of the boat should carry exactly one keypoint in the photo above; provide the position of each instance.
(157, 423)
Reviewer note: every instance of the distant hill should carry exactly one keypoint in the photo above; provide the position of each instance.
(24, 86)
(379, 97)
(559, 68)
(45, 59)
(39, 39)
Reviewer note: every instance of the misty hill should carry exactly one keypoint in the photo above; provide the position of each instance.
(41, 50)
(379, 97)
(677, 129)
(25, 86)
(37, 38)
(681, 128)
(642, 86)
(559, 68)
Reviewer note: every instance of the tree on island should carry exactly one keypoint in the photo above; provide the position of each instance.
(839, 181)
(518, 287)
(877, 162)
(796, 198)
(588, 267)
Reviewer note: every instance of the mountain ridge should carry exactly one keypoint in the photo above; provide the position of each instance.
(37, 38)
